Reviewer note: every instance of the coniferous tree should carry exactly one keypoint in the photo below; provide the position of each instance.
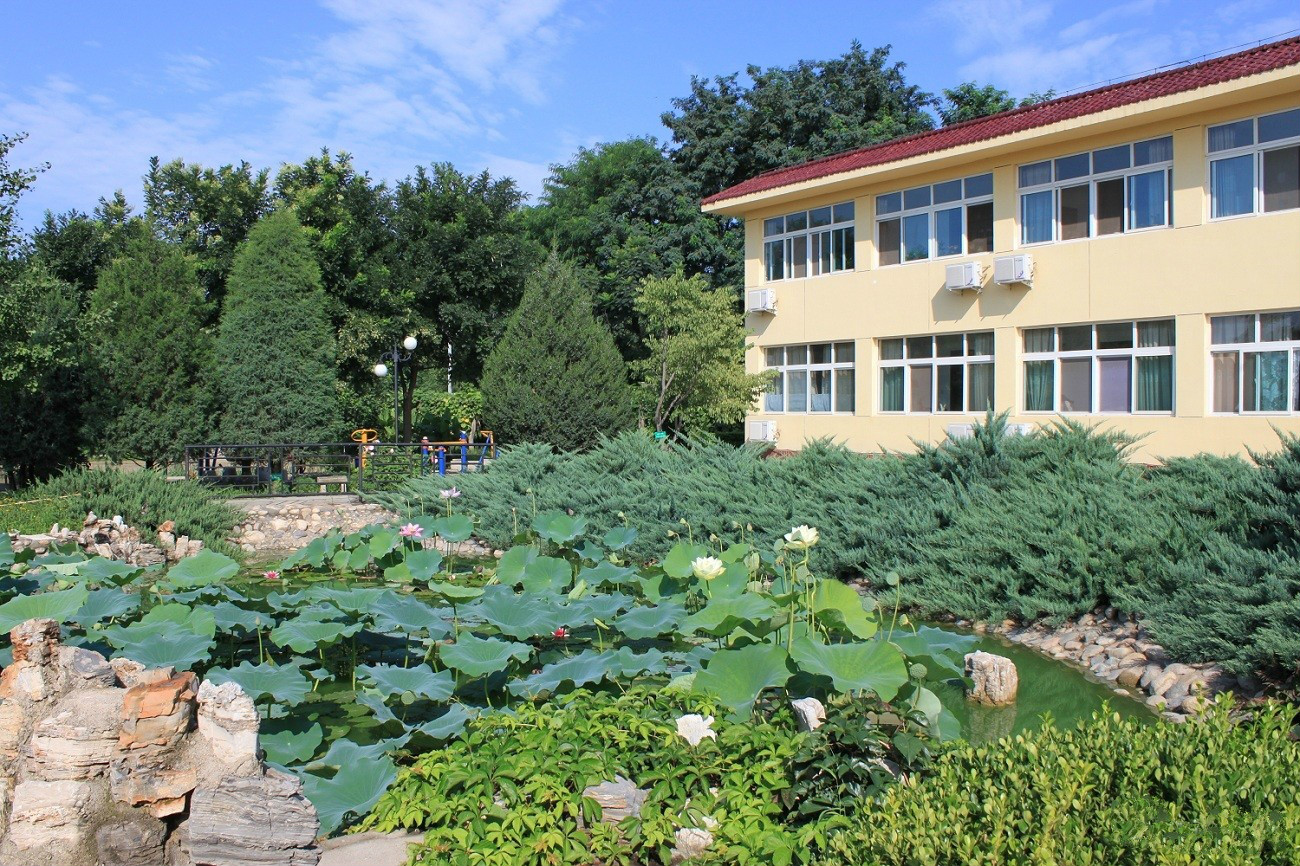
(556, 376)
(275, 348)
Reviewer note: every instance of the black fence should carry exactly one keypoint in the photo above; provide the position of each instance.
(316, 468)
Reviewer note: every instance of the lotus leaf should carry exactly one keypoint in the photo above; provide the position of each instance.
(358, 559)
(313, 555)
(159, 644)
(374, 701)
(558, 527)
(651, 621)
(446, 726)
(196, 619)
(519, 616)
(723, 615)
(420, 680)
(874, 666)
(203, 568)
(477, 656)
(732, 582)
(423, 564)
(285, 684)
(619, 537)
(382, 543)
(601, 606)
(454, 528)
(104, 604)
(393, 612)
(738, 676)
(735, 553)
(840, 603)
(304, 635)
(354, 789)
(231, 616)
(104, 570)
(6, 551)
(288, 746)
(287, 601)
(607, 572)
(510, 568)
(547, 574)
(357, 599)
(60, 606)
(589, 666)
(678, 561)
(454, 592)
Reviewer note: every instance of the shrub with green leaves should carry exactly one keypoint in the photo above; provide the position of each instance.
(1211, 793)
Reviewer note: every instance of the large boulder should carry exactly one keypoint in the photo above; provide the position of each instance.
(994, 680)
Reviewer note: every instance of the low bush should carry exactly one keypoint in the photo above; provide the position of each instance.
(1212, 793)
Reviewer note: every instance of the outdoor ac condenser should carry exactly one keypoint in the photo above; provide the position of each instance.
(967, 275)
(1014, 270)
(761, 431)
(760, 301)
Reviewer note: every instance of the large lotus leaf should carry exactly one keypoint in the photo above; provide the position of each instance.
(6, 551)
(312, 555)
(658, 587)
(678, 561)
(733, 582)
(304, 636)
(607, 572)
(374, 701)
(398, 573)
(619, 537)
(288, 746)
(358, 558)
(60, 606)
(205, 567)
(589, 666)
(344, 753)
(928, 639)
(738, 676)
(102, 604)
(477, 656)
(873, 666)
(285, 684)
(511, 565)
(103, 570)
(519, 616)
(446, 726)
(559, 527)
(631, 664)
(600, 606)
(357, 599)
(454, 528)
(394, 612)
(59, 562)
(423, 564)
(159, 644)
(735, 553)
(454, 592)
(644, 622)
(723, 615)
(840, 605)
(382, 543)
(278, 601)
(196, 619)
(231, 616)
(353, 790)
(547, 574)
(421, 681)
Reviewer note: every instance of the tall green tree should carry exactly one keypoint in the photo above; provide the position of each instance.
(14, 181)
(75, 246)
(694, 377)
(151, 351)
(968, 101)
(275, 348)
(556, 376)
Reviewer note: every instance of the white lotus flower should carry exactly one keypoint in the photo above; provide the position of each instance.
(693, 728)
(801, 537)
(707, 567)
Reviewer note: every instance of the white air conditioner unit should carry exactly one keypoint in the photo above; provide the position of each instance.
(761, 431)
(961, 431)
(1013, 270)
(1019, 429)
(760, 301)
(968, 275)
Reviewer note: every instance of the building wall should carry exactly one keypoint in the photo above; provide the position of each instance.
(1189, 271)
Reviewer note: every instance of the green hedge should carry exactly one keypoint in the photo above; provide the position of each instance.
(1112, 791)
(1052, 525)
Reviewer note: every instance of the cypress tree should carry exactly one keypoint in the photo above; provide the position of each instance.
(556, 376)
(275, 349)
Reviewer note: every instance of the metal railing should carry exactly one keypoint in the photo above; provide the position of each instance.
(317, 468)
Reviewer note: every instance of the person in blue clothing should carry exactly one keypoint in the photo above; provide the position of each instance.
(426, 453)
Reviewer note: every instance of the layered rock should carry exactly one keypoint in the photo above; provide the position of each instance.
(994, 680)
(113, 539)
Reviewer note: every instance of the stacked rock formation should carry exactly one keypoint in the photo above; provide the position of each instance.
(113, 763)
(113, 539)
(994, 680)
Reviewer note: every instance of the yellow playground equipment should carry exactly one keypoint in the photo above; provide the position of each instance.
(365, 436)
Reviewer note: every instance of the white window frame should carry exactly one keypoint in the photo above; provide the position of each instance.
(929, 211)
(1091, 179)
(1257, 150)
(1096, 355)
(906, 363)
(785, 370)
(787, 241)
(1257, 346)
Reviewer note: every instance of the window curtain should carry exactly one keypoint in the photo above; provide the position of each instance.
(1156, 384)
(1225, 382)
(774, 399)
(1266, 381)
(1147, 200)
(981, 387)
(1036, 216)
(1152, 334)
(1232, 185)
(891, 389)
(1038, 386)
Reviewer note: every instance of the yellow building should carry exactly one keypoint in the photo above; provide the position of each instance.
(1128, 256)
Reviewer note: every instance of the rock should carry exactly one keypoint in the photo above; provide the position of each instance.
(140, 781)
(1164, 682)
(91, 519)
(83, 666)
(1193, 705)
(1149, 674)
(34, 674)
(49, 814)
(253, 821)
(618, 799)
(158, 714)
(993, 678)
(691, 843)
(808, 713)
(229, 721)
(136, 842)
(1129, 677)
(13, 729)
(78, 740)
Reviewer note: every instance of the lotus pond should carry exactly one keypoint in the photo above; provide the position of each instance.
(363, 649)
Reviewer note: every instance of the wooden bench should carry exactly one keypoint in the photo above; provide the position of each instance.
(325, 480)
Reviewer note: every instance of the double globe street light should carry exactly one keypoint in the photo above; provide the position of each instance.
(381, 370)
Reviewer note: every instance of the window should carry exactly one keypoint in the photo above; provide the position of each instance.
(1255, 361)
(814, 378)
(1105, 192)
(1118, 367)
(1255, 165)
(944, 373)
(952, 218)
(809, 242)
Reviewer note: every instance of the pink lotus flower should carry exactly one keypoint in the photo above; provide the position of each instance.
(449, 493)
(560, 633)
(411, 530)
(271, 575)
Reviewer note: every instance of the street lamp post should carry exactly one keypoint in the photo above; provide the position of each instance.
(381, 370)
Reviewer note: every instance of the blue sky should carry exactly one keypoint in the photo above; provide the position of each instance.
(509, 86)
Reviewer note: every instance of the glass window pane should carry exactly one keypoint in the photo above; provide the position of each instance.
(844, 396)
(1159, 333)
(1153, 151)
(774, 399)
(1265, 388)
(821, 353)
(774, 356)
(1068, 167)
(1155, 384)
(796, 222)
(979, 228)
(921, 386)
(916, 237)
(1116, 384)
(1225, 382)
(1036, 217)
(798, 255)
(796, 356)
(843, 353)
(1295, 382)
(773, 226)
(1076, 338)
(1110, 159)
(890, 242)
(796, 389)
(979, 185)
(949, 345)
(844, 212)
(1076, 385)
(821, 390)
(1284, 124)
(774, 255)
(819, 217)
(951, 391)
(890, 203)
(1232, 186)
(1279, 326)
(949, 190)
(842, 249)
(947, 232)
(1230, 135)
(980, 343)
(1110, 206)
(891, 350)
(981, 387)
(1040, 340)
(1038, 386)
(1147, 200)
(916, 197)
(920, 347)
(820, 253)
(1074, 212)
(1036, 173)
(1118, 335)
(1232, 329)
(891, 389)
(1281, 179)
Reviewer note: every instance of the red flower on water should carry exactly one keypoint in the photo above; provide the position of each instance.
(560, 633)
(271, 575)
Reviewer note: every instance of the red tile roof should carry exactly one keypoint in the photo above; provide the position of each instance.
(1253, 61)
